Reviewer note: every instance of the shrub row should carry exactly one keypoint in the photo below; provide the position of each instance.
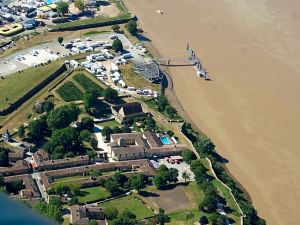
(88, 84)
(69, 92)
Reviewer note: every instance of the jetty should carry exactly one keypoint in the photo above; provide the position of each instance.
(191, 60)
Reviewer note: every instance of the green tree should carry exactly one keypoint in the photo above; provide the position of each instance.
(60, 40)
(188, 156)
(137, 182)
(4, 156)
(60, 188)
(106, 132)
(66, 137)
(120, 178)
(173, 175)
(117, 45)
(79, 4)
(208, 204)
(63, 116)
(203, 220)
(161, 217)
(217, 219)
(125, 129)
(110, 95)
(160, 181)
(87, 123)
(94, 143)
(62, 8)
(48, 105)
(93, 222)
(85, 135)
(132, 27)
(116, 130)
(15, 186)
(112, 186)
(115, 28)
(204, 146)
(185, 176)
(95, 173)
(90, 100)
(21, 132)
(36, 129)
(111, 213)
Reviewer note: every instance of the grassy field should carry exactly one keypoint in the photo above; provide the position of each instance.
(92, 194)
(133, 204)
(184, 217)
(16, 85)
(111, 123)
(134, 80)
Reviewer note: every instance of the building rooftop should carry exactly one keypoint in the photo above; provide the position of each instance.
(149, 71)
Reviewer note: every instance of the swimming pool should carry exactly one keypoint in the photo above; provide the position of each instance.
(165, 140)
(49, 2)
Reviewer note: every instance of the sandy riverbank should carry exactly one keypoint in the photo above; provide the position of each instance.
(251, 108)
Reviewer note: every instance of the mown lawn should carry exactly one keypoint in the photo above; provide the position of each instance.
(63, 179)
(133, 204)
(92, 194)
(184, 217)
(111, 123)
(16, 85)
(132, 79)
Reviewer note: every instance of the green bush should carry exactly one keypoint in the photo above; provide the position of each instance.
(69, 92)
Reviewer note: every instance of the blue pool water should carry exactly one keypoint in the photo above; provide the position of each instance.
(165, 140)
(49, 2)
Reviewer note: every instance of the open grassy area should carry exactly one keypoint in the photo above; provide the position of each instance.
(133, 204)
(111, 123)
(92, 194)
(184, 217)
(16, 85)
(63, 179)
(134, 80)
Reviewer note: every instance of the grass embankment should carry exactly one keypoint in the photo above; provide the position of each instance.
(92, 194)
(134, 80)
(16, 85)
(98, 19)
(70, 178)
(133, 204)
(94, 32)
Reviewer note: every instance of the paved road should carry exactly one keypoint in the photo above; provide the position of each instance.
(36, 177)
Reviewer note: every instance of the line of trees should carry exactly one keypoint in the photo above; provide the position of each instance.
(206, 148)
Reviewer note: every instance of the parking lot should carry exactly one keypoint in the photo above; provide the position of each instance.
(42, 53)
(181, 167)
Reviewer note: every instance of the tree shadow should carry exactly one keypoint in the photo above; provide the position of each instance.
(148, 194)
(142, 37)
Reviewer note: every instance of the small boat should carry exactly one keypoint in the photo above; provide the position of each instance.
(159, 12)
